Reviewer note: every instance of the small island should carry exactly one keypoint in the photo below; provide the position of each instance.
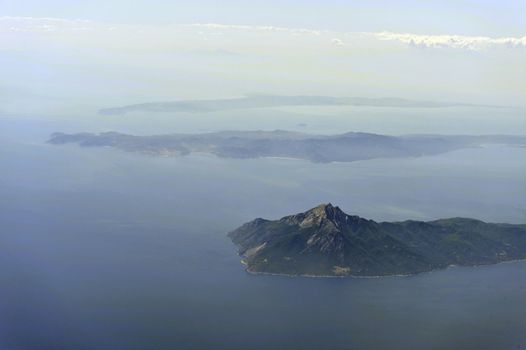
(325, 241)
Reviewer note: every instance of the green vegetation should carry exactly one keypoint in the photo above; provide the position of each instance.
(325, 241)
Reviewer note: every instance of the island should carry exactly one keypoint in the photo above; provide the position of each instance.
(346, 147)
(268, 101)
(325, 241)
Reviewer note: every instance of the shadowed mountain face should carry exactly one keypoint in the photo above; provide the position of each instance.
(346, 147)
(263, 101)
(324, 241)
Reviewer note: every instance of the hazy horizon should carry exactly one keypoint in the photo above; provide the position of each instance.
(65, 59)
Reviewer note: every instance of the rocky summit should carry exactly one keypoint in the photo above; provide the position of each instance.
(325, 241)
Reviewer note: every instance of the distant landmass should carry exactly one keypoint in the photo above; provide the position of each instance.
(345, 147)
(264, 101)
(325, 241)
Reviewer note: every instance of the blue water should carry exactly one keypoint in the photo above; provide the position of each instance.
(101, 249)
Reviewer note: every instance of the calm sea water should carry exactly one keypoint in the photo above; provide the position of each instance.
(101, 249)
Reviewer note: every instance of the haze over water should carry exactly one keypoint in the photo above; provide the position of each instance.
(106, 249)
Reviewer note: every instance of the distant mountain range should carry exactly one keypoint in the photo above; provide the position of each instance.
(325, 241)
(263, 101)
(346, 147)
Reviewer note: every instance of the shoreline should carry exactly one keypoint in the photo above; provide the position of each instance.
(255, 273)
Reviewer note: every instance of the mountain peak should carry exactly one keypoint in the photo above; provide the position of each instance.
(322, 214)
(327, 210)
(319, 210)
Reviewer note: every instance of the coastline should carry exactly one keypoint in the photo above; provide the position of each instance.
(255, 273)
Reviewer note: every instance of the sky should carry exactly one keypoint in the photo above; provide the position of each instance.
(66, 56)
(463, 17)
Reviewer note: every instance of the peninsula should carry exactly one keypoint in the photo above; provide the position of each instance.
(346, 147)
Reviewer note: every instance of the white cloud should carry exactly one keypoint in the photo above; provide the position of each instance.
(337, 42)
(42, 24)
(47, 25)
(451, 41)
(257, 28)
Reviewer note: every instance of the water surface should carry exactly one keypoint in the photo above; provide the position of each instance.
(101, 249)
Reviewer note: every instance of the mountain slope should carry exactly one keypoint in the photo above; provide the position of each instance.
(324, 241)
